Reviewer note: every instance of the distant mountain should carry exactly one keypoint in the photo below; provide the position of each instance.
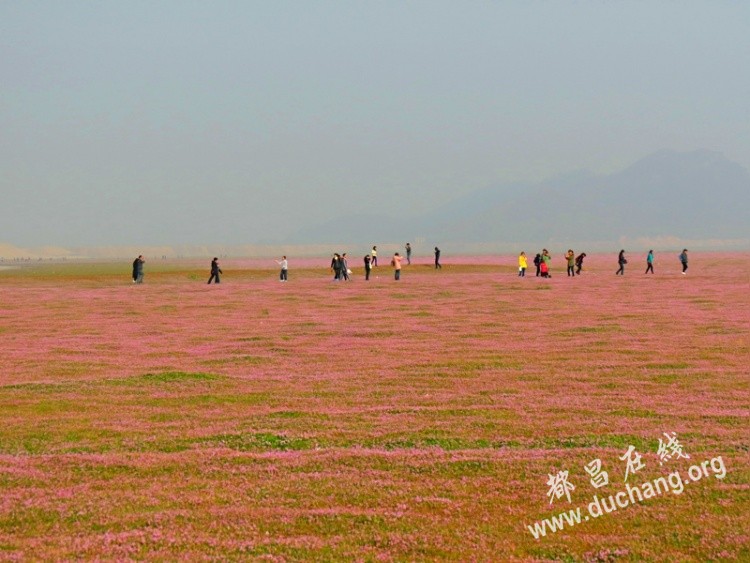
(692, 195)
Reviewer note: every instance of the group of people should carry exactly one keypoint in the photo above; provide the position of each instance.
(342, 272)
(138, 270)
(340, 267)
(575, 263)
(543, 260)
(621, 261)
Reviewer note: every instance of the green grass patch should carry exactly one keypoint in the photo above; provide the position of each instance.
(616, 441)
(638, 413)
(287, 414)
(206, 399)
(258, 442)
(420, 314)
(165, 377)
(588, 330)
(667, 365)
(245, 359)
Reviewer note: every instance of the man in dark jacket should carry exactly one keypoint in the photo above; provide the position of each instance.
(215, 271)
(579, 263)
(336, 266)
(538, 264)
(138, 269)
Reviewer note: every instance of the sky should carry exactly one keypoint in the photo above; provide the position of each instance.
(169, 122)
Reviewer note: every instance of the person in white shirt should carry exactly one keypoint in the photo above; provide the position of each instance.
(283, 275)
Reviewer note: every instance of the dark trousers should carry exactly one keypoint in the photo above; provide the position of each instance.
(374, 261)
(538, 270)
(437, 264)
(621, 271)
(684, 267)
(367, 273)
(283, 275)
(522, 272)
(397, 274)
(649, 268)
(408, 258)
(214, 276)
(571, 271)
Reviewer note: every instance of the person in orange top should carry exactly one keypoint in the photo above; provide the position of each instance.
(396, 263)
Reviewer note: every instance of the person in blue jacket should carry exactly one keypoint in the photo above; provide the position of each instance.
(650, 262)
(684, 260)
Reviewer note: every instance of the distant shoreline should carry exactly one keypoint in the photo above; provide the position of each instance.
(29, 255)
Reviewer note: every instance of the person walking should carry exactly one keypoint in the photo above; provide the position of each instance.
(284, 273)
(570, 256)
(336, 266)
(215, 271)
(621, 261)
(408, 254)
(522, 265)
(579, 263)
(396, 263)
(437, 259)
(684, 260)
(368, 267)
(650, 262)
(345, 271)
(538, 263)
(138, 269)
(374, 254)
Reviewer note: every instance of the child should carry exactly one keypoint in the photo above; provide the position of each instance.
(522, 265)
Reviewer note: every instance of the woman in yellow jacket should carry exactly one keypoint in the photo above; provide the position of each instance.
(522, 265)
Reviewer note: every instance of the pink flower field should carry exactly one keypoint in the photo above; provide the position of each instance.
(412, 420)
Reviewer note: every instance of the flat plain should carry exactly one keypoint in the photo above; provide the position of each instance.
(379, 420)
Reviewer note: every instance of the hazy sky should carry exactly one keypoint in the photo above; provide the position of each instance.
(229, 122)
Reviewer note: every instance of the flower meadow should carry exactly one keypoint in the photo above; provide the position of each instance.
(381, 420)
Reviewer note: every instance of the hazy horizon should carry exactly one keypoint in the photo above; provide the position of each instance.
(147, 124)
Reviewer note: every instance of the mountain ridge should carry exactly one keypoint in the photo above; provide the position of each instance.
(685, 194)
